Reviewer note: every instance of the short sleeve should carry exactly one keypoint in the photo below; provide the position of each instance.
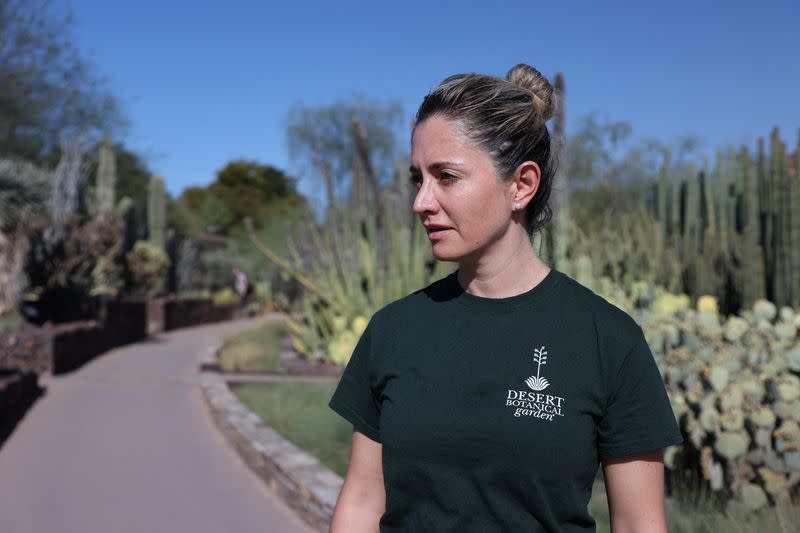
(353, 398)
(638, 415)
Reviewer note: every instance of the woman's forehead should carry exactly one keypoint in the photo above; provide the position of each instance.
(439, 137)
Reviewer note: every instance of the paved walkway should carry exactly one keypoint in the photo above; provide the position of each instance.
(126, 444)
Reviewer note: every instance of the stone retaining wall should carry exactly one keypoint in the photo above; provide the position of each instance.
(35, 350)
(306, 485)
(64, 347)
(185, 313)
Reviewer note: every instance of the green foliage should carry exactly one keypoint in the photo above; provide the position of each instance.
(193, 197)
(23, 187)
(242, 189)
(11, 321)
(225, 296)
(263, 294)
(148, 264)
(321, 139)
(206, 211)
(46, 87)
(612, 226)
(350, 267)
(606, 152)
(214, 266)
(180, 219)
(133, 178)
(83, 258)
(254, 350)
(245, 189)
(370, 250)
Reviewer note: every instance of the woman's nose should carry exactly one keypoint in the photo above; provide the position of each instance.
(424, 202)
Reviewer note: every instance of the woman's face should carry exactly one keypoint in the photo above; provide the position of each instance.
(462, 202)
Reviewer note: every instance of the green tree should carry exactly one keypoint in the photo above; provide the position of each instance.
(606, 152)
(248, 189)
(324, 142)
(208, 213)
(193, 197)
(46, 88)
(24, 191)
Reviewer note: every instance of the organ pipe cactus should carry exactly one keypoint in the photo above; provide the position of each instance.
(735, 233)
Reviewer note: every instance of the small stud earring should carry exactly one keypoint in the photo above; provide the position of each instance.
(516, 206)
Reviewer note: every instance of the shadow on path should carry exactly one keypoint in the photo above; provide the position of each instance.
(13, 418)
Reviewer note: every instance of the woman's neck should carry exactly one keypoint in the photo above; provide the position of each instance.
(503, 272)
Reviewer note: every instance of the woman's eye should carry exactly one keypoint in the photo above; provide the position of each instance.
(446, 177)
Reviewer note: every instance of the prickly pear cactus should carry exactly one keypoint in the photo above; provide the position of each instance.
(341, 346)
(736, 395)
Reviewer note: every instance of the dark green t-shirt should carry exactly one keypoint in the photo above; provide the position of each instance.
(493, 413)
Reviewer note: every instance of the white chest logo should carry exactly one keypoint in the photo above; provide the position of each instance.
(536, 404)
(535, 382)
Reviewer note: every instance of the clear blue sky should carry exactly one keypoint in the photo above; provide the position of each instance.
(206, 82)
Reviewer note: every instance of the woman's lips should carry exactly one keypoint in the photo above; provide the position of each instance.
(437, 233)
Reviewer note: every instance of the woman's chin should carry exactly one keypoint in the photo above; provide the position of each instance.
(443, 253)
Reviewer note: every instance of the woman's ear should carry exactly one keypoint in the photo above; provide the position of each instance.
(526, 180)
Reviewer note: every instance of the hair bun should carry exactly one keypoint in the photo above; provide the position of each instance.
(530, 79)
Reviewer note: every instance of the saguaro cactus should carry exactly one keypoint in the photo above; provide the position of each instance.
(562, 219)
(794, 215)
(105, 188)
(662, 196)
(157, 211)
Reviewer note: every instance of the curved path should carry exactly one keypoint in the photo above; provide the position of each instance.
(126, 444)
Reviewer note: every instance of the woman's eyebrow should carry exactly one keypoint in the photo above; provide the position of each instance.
(438, 165)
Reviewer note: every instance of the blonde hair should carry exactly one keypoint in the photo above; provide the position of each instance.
(507, 118)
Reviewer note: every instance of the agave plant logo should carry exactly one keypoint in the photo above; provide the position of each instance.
(536, 382)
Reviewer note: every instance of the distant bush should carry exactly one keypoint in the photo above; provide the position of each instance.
(225, 296)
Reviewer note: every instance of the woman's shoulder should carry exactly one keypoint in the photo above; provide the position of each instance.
(607, 314)
(415, 302)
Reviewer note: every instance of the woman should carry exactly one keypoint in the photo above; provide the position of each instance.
(487, 400)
